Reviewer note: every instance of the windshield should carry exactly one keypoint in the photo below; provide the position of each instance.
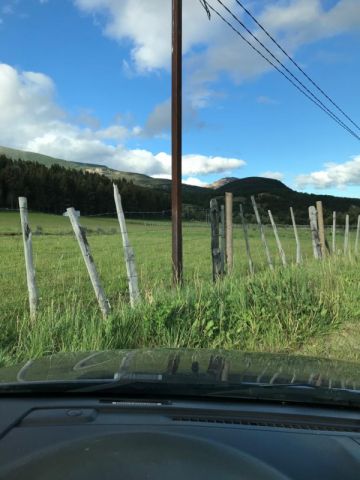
(179, 197)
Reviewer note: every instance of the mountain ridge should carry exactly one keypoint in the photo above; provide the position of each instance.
(271, 194)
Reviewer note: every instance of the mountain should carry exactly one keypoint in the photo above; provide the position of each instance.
(191, 193)
(222, 182)
(270, 194)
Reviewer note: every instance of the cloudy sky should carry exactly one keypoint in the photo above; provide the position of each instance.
(89, 80)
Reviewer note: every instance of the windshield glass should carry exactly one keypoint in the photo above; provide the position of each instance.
(179, 196)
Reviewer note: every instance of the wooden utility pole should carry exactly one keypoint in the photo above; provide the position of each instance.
(229, 230)
(29, 263)
(176, 139)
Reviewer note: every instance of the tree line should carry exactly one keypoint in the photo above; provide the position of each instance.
(55, 188)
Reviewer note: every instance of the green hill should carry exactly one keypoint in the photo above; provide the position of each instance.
(271, 194)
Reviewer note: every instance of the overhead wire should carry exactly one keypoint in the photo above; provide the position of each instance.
(310, 96)
(318, 101)
(295, 63)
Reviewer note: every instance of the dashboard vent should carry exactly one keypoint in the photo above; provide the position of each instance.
(330, 427)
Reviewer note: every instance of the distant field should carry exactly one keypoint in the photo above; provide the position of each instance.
(287, 310)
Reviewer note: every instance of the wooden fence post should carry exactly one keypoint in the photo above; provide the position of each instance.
(262, 233)
(229, 230)
(28, 253)
(89, 262)
(277, 238)
(314, 232)
(298, 246)
(222, 239)
(357, 236)
(215, 250)
(321, 227)
(334, 234)
(128, 251)
(247, 243)
(346, 237)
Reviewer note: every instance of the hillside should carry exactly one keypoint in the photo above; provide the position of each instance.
(192, 194)
(271, 194)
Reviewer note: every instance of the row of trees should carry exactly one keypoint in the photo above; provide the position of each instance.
(56, 188)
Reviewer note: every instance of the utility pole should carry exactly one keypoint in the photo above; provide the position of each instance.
(176, 140)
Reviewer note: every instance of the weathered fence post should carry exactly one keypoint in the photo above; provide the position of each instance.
(262, 233)
(229, 230)
(128, 251)
(28, 253)
(334, 234)
(314, 232)
(247, 243)
(277, 238)
(357, 236)
(89, 262)
(321, 227)
(346, 237)
(215, 251)
(222, 239)
(298, 246)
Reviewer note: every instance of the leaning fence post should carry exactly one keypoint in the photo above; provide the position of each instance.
(229, 230)
(222, 239)
(346, 237)
(298, 246)
(89, 262)
(277, 238)
(334, 234)
(262, 233)
(215, 250)
(357, 236)
(247, 243)
(314, 232)
(128, 251)
(28, 253)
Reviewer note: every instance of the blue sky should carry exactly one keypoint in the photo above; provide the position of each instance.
(89, 80)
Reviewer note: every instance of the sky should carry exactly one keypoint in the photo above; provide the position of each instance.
(90, 81)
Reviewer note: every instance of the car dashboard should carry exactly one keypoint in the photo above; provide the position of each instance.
(131, 438)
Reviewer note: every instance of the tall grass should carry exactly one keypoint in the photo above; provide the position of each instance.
(288, 310)
(273, 311)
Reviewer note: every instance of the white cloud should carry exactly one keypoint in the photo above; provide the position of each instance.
(273, 175)
(195, 182)
(333, 175)
(31, 120)
(196, 164)
(210, 47)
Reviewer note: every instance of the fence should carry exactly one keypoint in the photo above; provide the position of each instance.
(222, 235)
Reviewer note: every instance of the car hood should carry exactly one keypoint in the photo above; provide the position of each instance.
(207, 365)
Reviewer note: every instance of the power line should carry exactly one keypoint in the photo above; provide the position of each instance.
(295, 63)
(309, 93)
(317, 102)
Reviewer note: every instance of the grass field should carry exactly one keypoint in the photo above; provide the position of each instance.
(313, 309)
